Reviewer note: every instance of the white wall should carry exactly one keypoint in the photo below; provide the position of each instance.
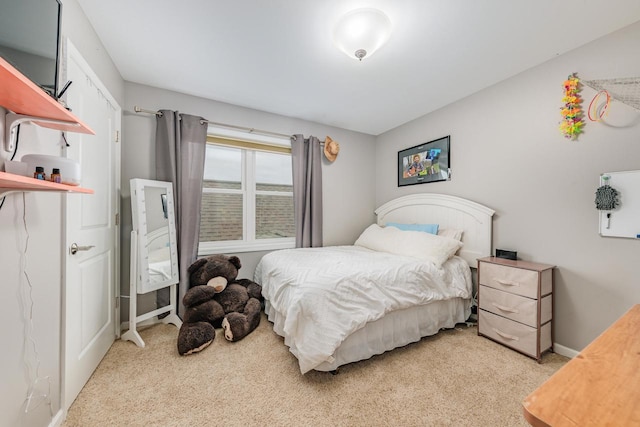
(508, 154)
(43, 259)
(348, 192)
(21, 324)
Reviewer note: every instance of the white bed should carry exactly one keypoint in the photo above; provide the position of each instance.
(306, 299)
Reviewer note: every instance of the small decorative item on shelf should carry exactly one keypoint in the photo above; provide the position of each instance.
(69, 167)
(572, 122)
(39, 173)
(55, 176)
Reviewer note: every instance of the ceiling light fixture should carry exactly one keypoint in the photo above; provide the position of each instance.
(361, 32)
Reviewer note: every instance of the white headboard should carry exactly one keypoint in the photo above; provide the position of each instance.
(448, 212)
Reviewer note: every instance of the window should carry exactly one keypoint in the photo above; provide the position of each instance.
(247, 196)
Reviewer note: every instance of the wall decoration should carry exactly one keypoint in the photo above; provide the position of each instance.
(621, 89)
(428, 162)
(596, 112)
(572, 122)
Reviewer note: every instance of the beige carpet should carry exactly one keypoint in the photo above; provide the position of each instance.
(452, 379)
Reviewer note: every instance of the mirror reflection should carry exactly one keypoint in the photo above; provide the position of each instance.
(157, 234)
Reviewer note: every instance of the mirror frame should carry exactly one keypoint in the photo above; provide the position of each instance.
(139, 221)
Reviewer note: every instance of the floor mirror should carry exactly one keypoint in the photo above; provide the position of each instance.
(154, 253)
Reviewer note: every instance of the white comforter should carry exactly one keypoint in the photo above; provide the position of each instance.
(325, 294)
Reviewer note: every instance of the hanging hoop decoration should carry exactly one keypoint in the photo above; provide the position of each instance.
(572, 122)
(594, 104)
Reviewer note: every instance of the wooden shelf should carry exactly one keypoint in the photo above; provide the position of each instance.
(10, 182)
(21, 96)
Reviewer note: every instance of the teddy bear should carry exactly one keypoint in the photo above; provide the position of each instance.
(217, 300)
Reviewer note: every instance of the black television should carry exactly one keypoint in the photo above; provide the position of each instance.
(30, 39)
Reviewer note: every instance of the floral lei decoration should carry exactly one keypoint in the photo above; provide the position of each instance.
(572, 122)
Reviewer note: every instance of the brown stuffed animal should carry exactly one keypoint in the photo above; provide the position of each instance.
(213, 296)
(238, 325)
(215, 271)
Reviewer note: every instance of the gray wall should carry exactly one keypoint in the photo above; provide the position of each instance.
(508, 154)
(43, 259)
(348, 194)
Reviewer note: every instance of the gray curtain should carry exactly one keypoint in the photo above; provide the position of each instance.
(306, 155)
(180, 153)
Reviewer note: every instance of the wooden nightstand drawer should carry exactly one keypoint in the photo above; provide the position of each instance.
(509, 279)
(514, 307)
(513, 334)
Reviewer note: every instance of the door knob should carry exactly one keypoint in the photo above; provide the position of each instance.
(75, 248)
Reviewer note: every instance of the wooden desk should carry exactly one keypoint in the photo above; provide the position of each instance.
(599, 387)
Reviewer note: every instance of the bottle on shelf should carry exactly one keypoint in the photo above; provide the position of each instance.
(39, 173)
(55, 176)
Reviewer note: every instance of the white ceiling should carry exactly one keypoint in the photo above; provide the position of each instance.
(278, 55)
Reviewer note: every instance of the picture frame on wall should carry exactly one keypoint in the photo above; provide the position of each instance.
(428, 162)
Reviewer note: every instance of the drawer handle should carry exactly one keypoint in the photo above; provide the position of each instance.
(505, 336)
(507, 282)
(507, 309)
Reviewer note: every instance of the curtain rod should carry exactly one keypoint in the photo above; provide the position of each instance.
(242, 128)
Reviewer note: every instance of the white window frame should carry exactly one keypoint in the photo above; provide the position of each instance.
(249, 243)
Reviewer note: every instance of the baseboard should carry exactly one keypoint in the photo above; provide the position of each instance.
(565, 351)
(57, 419)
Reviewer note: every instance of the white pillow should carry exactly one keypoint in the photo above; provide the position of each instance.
(453, 233)
(416, 244)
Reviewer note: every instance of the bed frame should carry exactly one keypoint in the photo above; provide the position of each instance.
(401, 327)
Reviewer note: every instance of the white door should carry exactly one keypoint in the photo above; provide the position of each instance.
(92, 272)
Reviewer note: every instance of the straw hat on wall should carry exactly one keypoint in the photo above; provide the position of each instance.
(331, 149)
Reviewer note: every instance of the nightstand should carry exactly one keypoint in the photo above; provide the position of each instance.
(515, 302)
